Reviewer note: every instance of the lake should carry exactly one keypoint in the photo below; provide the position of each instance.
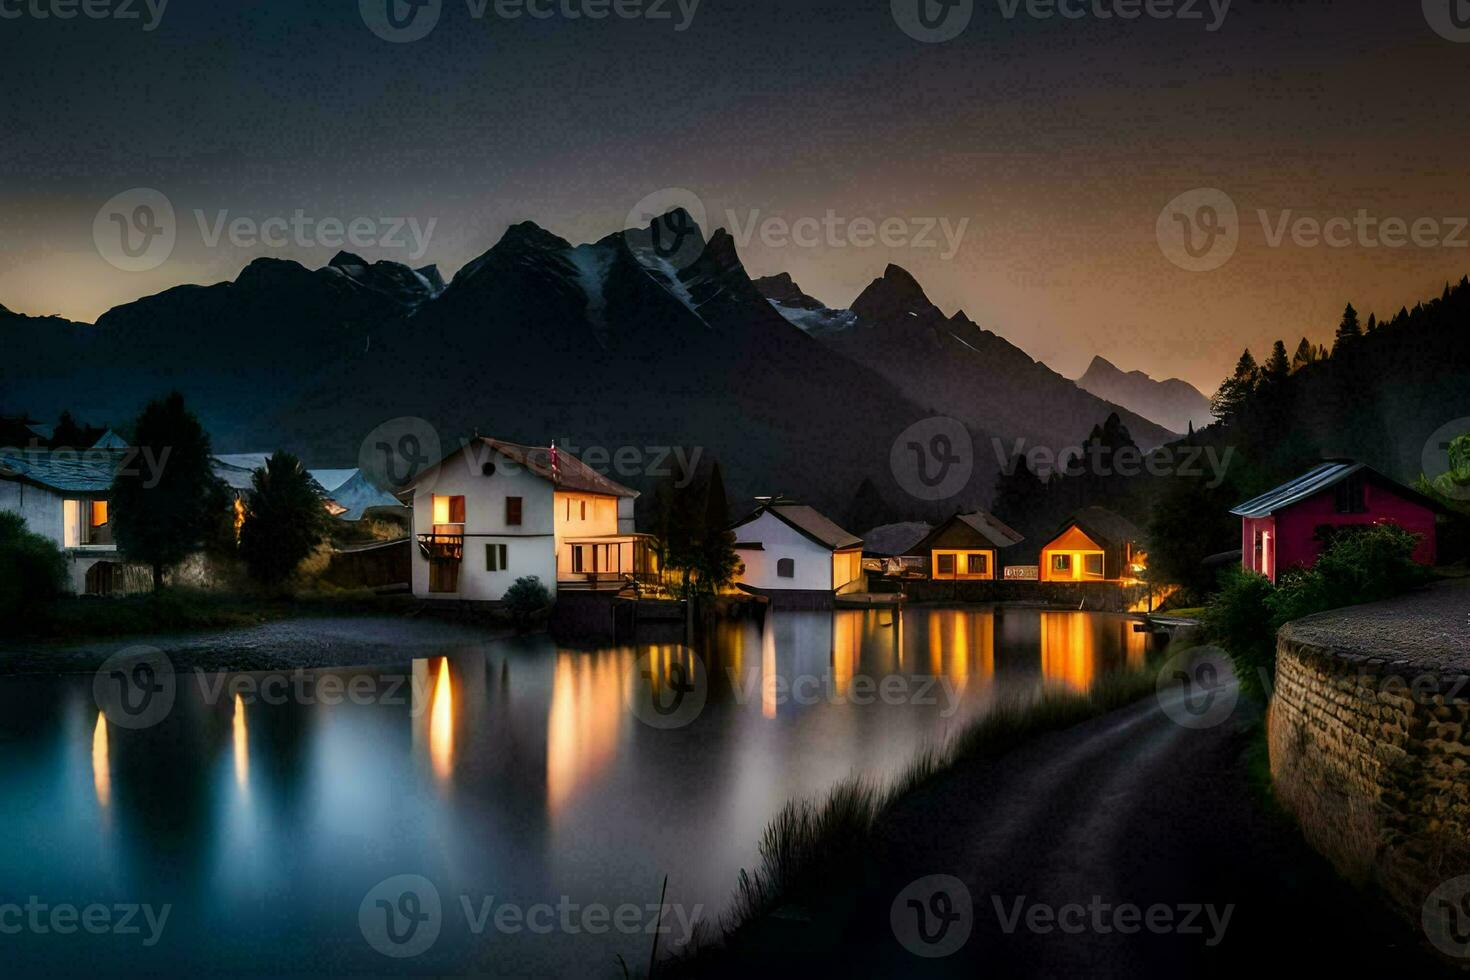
(507, 807)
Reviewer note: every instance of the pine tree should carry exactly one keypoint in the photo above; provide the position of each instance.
(1235, 392)
(717, 557)
(285, 520)
(1277, 366)
(160, 518)
(1349, 331)
(1305, 354)
(1019, 492)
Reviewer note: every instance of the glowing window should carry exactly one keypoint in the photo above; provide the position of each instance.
(979, 564)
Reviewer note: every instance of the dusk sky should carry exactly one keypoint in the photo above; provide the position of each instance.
(1054, 143)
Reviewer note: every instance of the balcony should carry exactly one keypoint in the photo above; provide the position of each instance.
(442, 547)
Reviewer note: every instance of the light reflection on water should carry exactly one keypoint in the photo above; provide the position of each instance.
(513, 769)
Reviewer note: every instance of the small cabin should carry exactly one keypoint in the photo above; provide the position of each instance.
(790, 551)
(1094, 545)
(1291, 525)
(965, 548)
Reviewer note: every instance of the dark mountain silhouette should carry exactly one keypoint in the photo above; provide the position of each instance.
(949, 361)
(1174, 404)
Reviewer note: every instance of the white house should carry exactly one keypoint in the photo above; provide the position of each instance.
(494, 511)
(792, 552)
(62, 495)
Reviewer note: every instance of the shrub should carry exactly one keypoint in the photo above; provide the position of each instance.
(1239, 619)
(526, 599)
(284, 521)
(32, 570)
(1361, 564)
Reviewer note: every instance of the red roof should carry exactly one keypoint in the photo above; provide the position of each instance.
(571, 473)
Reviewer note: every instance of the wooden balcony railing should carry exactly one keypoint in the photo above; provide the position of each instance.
(442, 547)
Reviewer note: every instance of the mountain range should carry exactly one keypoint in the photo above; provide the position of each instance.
(1174, 403)
(608, 344)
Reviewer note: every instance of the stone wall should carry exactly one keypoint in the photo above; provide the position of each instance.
(1370, 750)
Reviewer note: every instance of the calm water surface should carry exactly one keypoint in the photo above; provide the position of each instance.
(513, 772)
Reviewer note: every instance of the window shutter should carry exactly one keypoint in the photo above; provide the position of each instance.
(513, 510)
(456, 510)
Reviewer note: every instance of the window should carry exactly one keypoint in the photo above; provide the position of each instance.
(1093, 565)
(576, 557)
(584, 510)
(978, 564)
(1061, 563)
(448, 510)
(1350, 496)
(495, 558)
(85, 522)
(513, 511)
(944, 564)
(786, 568)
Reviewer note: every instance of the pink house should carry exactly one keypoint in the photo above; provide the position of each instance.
(1290, 525)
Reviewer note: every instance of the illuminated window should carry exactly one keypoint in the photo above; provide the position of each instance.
(945, 564)
(1061, 563)
(448, 510)
(979, 564)
(786, 568)
(513, 511)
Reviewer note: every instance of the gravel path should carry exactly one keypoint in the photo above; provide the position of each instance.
(336, 641)
(1429, 628)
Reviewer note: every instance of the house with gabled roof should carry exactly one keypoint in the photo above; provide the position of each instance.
(1291, 525)
(495, 511)
(790, 551)
(966, 548)
(62, 496)
(1094, 545)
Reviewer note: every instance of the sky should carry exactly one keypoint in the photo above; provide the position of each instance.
(1035, 170)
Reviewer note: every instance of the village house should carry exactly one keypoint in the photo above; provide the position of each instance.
(62, 496)
(1095, 545)
(1291, 525)
(965, 548)
(494, 511)
(796, 556)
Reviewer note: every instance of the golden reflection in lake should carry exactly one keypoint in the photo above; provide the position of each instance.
(1068, 654)
(845, 651)
(101, 763)
(768, 667)
(242, 746)
(961, 644)
(587, 708)
(441, 723)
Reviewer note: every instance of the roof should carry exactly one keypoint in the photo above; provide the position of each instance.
(67, 470)
(984, 527)
(110, 440)
(1106, 527)
(895, 539)
(570, 472)
(237, 470)
(332, 479)
(1320, 478)
(356, 495)
(809, 522)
